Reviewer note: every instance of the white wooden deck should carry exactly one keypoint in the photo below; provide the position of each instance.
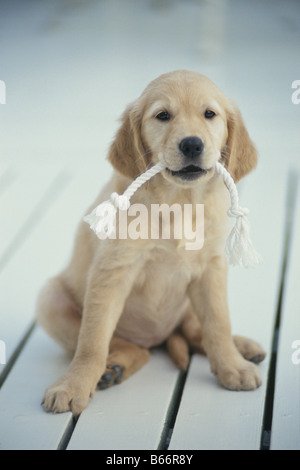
(52, 148)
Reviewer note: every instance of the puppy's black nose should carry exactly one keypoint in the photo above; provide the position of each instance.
(191, 147)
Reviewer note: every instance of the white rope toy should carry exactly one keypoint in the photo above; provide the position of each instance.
(239, 248)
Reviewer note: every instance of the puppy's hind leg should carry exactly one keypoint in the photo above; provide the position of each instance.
(250, 350)
(58, 314)
(124, 359)
(191, 332)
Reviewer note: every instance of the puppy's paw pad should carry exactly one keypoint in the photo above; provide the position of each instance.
(112, 376)
(257, 358)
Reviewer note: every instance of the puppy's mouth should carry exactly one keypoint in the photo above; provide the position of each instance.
(189, 173)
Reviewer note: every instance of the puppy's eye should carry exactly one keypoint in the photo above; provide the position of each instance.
(163, 116)
(209, 114)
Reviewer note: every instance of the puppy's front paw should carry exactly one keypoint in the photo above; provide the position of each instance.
(67, 395)
(239, 375)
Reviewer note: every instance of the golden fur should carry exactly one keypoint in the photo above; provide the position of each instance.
(117, 298)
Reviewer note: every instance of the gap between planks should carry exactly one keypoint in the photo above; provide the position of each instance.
(289, 227)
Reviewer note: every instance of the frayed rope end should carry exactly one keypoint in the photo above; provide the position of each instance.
(239, 248)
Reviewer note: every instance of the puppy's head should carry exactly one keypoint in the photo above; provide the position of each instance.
(183, 120)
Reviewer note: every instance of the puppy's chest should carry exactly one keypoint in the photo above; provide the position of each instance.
(158, 300)
(168, 271)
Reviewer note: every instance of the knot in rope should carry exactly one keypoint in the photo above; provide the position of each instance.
(238, 212)
(120, 201)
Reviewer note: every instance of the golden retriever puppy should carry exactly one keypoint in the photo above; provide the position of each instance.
(118, 297)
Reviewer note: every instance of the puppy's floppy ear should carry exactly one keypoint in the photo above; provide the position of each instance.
(240, 152)
(127, 153)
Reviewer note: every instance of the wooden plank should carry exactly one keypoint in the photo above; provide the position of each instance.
(23, 197)
(131, 415)
(24, 425)
(210, 417)
(285, 433)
